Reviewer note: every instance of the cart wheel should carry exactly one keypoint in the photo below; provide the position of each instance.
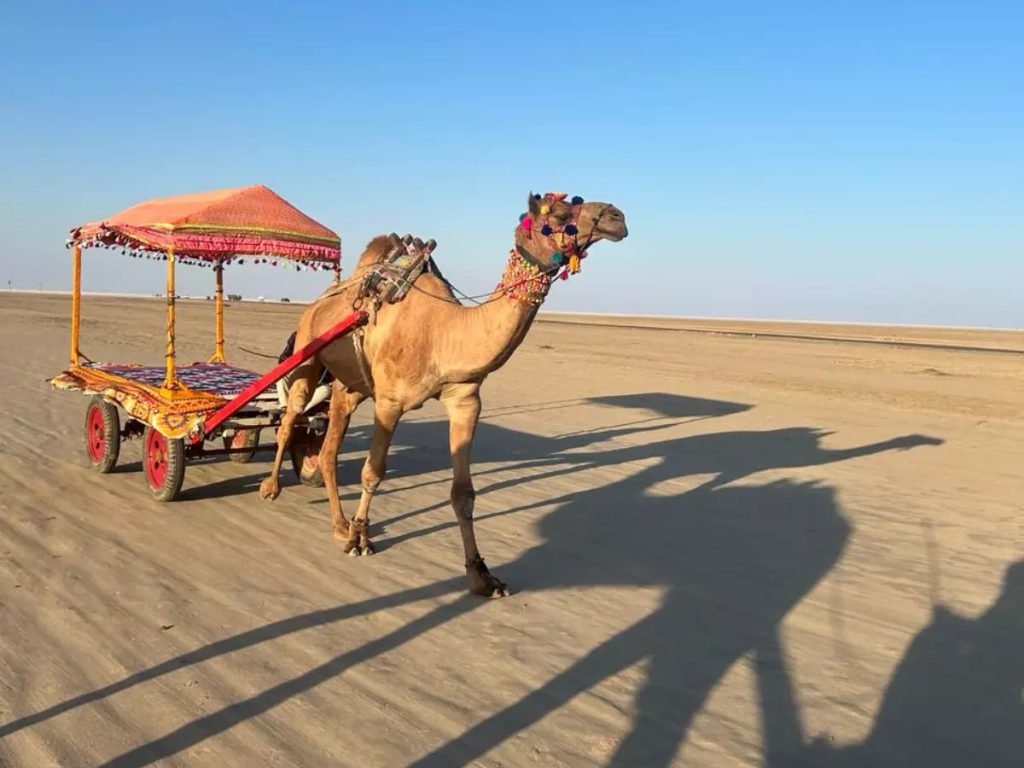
(102, 434)
(164, 461)
(243, 438)
(305, 451)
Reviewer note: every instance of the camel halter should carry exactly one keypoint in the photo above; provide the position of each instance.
(568, 252)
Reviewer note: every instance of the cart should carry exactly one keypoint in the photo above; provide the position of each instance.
(207, 408)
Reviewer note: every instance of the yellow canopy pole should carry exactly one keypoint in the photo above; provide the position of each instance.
(337, 271)
(170, 380)
(218, 350)
(76, 299)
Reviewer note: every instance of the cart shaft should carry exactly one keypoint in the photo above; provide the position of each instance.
(349, 324)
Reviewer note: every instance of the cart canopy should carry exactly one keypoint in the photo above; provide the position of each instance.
(216, 227)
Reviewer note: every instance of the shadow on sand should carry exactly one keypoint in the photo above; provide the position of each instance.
(731, 561)
(956, 699)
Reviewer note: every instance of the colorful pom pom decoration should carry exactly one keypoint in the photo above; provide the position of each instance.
(526, 222)
(571, 229)
(557, 257)
(545, 210)
(545, 230)
(577, 200)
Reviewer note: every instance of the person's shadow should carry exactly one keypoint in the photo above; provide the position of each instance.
(956, 699)
(732, 562)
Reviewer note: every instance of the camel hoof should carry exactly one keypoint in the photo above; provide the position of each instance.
(269, 490)
(369, 549)
(502, 591)
(486, 585)
(354, 552)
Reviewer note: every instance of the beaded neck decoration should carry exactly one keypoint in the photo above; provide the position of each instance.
(524, 281)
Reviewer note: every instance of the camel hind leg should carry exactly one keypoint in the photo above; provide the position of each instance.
(299, 392)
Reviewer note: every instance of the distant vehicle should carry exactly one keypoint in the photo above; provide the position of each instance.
(234, 297)
(285, 300)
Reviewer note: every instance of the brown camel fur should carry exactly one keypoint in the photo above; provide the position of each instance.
(431, 346)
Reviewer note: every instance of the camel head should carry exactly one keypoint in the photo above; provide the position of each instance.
(557, 230)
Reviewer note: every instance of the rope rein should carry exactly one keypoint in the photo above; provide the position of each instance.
(538, 273)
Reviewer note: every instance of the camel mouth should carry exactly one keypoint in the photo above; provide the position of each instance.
(613, 234)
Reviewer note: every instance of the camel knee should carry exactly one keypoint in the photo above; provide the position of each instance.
(372, 475)
(463, 500)
(298, 395)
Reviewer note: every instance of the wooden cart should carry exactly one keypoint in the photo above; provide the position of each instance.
(207, 408)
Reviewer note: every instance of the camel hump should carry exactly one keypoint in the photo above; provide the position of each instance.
(376, 250)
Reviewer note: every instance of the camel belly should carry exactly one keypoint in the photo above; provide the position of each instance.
(342, 360)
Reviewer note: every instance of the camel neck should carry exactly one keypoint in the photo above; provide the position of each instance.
(498, 326)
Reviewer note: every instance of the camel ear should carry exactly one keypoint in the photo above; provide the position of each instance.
(533, 206)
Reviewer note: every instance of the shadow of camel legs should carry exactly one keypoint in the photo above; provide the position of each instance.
(238, 642)
(217, 722)
(732, 562)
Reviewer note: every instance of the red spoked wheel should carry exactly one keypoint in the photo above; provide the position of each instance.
(163, 459)
(243, 438)
(102, 434)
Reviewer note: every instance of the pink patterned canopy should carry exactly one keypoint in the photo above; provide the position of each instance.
(216, 227)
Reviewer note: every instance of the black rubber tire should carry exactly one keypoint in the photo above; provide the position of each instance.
(252, 439)
(163, 485)
(102, 435)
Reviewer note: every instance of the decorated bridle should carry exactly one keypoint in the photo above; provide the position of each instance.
(568, 253)
(527, 278)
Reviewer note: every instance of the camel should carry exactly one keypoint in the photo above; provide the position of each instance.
(431, 346)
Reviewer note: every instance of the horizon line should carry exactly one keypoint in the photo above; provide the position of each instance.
(618, 315)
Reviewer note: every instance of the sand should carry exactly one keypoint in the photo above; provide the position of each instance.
(726, 549)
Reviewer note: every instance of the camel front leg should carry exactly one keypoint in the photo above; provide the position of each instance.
(385, 419)
(343, 405)
(298, 395)
(462, 402)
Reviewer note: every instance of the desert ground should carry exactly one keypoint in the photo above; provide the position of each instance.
(729, 544)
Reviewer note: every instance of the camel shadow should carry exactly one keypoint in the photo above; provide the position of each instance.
(731, 560)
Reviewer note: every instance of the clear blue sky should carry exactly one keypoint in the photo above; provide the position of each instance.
(839, 161)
